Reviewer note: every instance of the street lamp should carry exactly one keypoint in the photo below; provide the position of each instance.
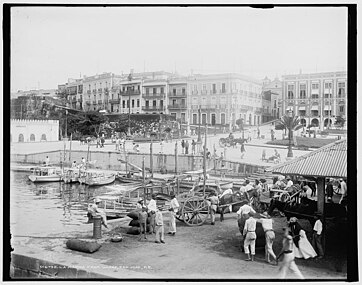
(290, 151)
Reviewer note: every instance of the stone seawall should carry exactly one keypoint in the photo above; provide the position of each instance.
(108, 160)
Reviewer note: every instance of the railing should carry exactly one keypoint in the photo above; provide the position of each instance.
(194, 92)
(130, 92)
(114, 101)
(177, 94)
(152, 108)
(177, 106)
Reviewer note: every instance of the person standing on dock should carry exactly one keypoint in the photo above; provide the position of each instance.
(152, 208)
(159, 227)
(47, 161)
(142, 218)
(214, 202)
(174, 209)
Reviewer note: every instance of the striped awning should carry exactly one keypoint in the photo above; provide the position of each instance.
(327, 161)
(327, 107)
(301, 108)
(315, 107)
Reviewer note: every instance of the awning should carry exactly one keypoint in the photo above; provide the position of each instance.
(328, 107)
(314, 107)
(301, 108)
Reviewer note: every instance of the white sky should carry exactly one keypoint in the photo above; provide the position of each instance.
(51, 44)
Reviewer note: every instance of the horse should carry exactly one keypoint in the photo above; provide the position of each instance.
(236, 199)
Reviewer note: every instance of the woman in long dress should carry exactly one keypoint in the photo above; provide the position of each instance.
(301, 246)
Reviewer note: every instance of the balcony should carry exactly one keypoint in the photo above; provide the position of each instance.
(177, 106)
(114, 101)
(152, 108)
(129, 92)
(155, 95)
(177, 94)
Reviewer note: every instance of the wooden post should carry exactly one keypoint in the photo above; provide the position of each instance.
(176, 159)
(320, 195)
(151, 158)
(70, 148)
(204, 162)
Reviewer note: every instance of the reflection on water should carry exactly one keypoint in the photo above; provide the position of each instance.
(48, 208)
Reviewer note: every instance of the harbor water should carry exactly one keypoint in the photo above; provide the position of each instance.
(43, 209)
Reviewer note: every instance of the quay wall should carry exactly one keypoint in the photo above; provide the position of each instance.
(108, 160)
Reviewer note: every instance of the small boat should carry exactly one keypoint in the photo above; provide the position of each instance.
(45, 174)
(96, 178)
(71, 175)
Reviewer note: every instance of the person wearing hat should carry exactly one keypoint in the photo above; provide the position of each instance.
(250, 237)
(288, 261)
(94, 210)
(302, 247)
(152, 208)
(159, 227)
(174, 206)
(267, 224)
(317, 235)
(214, 201)
(140, 204)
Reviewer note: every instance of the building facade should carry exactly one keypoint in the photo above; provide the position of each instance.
(317, 98)
(177, 98)
(34, 130)
(221, 99)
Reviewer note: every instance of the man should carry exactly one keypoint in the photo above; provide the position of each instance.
(343, 192)
(94, 210)
(159, 227)
(47, 161)
(243, 191)
(317, 236)
(74, 164)
(267, 224)
(288, 257)
(142, 218)
(290, 182)
(248, 186)
(174, 209)
(193, 147)
(152, 208)
(250, 237)
(245, 210)
(214, 202)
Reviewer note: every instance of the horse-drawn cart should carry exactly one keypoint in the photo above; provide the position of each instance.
(231, 141)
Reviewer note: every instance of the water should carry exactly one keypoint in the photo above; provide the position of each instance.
(54, 208)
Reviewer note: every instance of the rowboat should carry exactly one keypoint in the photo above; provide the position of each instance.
(71, 175)
(45, 174)
(96, 178)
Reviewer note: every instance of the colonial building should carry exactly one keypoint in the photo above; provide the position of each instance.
(221, 99)
(318, 98)
(34, 130)
(96, 91)
(177, 98)
(272, 94)
(74, 93)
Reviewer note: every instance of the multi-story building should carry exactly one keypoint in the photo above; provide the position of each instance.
(130, 95)
(221, 99)
(272, 94)
(177, 98)
(318, 98)
(74, 93)
(96, 91)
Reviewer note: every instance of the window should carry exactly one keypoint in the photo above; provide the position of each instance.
(174, 102)
(183, 117)
(302, 113)
(275, 103)
(314, 113)
(124, 104)
(223, 88)
(315, 96)
(154, 103)
(174, 91)
(162, 90)
(132, 103)
(161, 103)
(183, 91)
(315, 86)
(213, 88)
(138, 102)
(341, 109)
(183, 102)
(147, 91)
(222, 119)
(128, 103)
(290, 91)
(194, 119)
(154, 90)
(327, 113)
(204, 87)
(328, 85)
(341, 89)
(302, 92)
(327, 95)
(147, 103)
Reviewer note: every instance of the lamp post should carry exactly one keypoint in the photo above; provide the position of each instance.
(290, 151)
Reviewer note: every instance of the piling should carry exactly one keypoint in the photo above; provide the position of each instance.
(97, 227)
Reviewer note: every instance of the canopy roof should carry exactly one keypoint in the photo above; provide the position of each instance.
(327, 161)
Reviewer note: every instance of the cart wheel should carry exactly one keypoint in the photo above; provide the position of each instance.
(285, 197)
(195, 211)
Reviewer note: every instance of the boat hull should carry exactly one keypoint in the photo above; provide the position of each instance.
(99, 181)
(50, 178)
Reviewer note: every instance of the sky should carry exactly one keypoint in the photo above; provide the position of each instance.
(51, 44)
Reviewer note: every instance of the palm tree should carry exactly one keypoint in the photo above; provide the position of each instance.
(290, 123)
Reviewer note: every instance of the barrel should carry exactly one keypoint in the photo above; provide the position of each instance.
(97, 227)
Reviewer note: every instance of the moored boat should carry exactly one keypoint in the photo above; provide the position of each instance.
(96, 178)
(71, 175)
(45, 174)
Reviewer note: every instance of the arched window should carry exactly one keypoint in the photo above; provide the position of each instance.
(21, 138)
(43, 137)
(32, 138)
(303, 122)
(315, 122)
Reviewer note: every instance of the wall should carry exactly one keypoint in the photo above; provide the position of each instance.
(38, 128)
(109, 161)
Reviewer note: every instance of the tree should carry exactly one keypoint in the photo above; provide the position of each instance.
(289, 123)
(92, 123)
(240, 123)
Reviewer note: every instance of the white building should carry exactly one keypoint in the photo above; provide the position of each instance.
(34, 130)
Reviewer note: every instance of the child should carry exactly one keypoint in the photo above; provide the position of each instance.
(142, 218)
(159, 227)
